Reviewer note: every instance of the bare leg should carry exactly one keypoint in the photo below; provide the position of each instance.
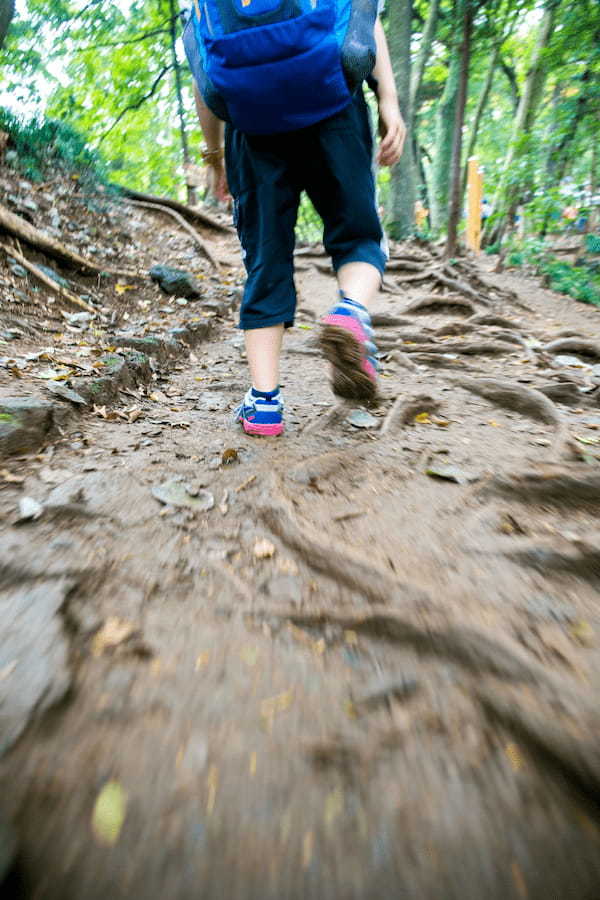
(263, 347)
(359, 281)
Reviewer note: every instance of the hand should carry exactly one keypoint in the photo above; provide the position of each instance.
(392, 131)
(216, 182)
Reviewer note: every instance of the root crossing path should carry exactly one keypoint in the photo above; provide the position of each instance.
(360, 661)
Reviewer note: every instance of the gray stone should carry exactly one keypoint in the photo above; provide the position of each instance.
(34, 671)
(175, 493)
(29, 509)
(18, 270)
(65, 393)
(176, 282)
(24, 423)
(360, 418)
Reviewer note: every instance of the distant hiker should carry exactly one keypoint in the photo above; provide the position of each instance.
(421, 213)
(287, 76)
(486, 211)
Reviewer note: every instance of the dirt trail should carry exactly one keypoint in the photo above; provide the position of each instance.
(369, 669)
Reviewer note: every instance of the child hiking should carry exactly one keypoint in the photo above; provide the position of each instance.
(287, 78)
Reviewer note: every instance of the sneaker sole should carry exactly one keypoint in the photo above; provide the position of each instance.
(342, 345)
(271, 430)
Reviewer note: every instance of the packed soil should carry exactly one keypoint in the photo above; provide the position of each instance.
(369, 669)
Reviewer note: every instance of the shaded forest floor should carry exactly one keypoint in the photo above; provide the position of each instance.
(357, 661)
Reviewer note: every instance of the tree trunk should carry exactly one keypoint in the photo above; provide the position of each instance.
(509, 189)
(191, 192)
(402, 182)
(444, 128)
(455, 191)
(7, 11)
(481, 105)
(422, 58)
(594, 218)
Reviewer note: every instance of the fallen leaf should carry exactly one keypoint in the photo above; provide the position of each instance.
(10, 478)
(109, 813)
(263, 549)
(423, 418)
(54, 476)
(212, 783)
(202, 660)
(252, 766)
(114, 632)
(121, 288)
(159, 397)
(494, 424)
(514, 757)
(583, 632)
(277, 704)
(249, 655)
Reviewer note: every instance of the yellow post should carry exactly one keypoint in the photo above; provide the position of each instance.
(474, 198)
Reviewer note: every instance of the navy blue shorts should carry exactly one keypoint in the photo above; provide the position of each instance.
(332, 162)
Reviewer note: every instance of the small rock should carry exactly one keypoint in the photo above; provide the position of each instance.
(263, 549)
(450, 473)
(570, 361)
(176, 282)
(383, 692)
(65, 393)
(175, 493)
(360, 418)
(29, 509)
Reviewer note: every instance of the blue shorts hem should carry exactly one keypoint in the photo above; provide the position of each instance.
(374, 256)
(248, 323)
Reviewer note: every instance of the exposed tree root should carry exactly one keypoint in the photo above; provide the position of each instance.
(579, 557)
(383, 320)
(317, 467)
(525, 400)
(438, 360)
(329, 418)
(500, 321)
(404, 409)
(44, 279)
(327, 557)
(562, 392)
(402, 359)
(401, 264)
(572, 747)
(461, 287)
(412, 337)
(576, 487)
(452, 329)
(474, 649)
(574, 345)
(194, 215)
(181, 221)
(437, 303)
(485, 348)
(407, 279)
(20, 228)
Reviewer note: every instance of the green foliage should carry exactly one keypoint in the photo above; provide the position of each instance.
(578, 282)
(43, 144)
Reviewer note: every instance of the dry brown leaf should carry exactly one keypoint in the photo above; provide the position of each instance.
(264, 549)
(114, 632)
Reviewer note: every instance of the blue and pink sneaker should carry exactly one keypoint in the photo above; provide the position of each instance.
(261, 413)
(347, 341)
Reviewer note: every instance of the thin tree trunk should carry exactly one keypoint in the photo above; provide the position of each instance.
(422, 57)
(444, 129)
(7, 11)
(403, 174)
(503, 33)
(455, 192)
(594, 216)
(509, 190)
(191, 193)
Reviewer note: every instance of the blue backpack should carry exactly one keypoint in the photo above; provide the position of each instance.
(270, 66)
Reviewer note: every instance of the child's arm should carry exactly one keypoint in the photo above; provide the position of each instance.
(212, 129)
(391, 124)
